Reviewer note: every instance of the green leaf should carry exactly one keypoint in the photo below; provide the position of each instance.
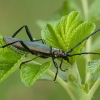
(94, 11)
(9, 60)
(30, 72)
(67, 32)
(7, 68)
(93, 66)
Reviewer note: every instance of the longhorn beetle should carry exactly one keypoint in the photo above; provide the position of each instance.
(42, 50)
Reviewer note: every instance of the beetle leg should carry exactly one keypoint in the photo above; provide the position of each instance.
(28, 34)
(27, 61)
(60, 66)
(56, 66)
(21, 42)
(27, 31)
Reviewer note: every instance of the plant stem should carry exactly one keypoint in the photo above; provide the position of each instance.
(88, 48)
(85, 12)
(61, 82)
(88, 44)
(85, 9)
(67, 86)
(58, 79)
(94, 88)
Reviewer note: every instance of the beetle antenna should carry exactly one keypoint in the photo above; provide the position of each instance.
(82, 41)
(97, 53)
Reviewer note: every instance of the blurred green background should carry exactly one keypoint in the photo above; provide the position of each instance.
(14, 14)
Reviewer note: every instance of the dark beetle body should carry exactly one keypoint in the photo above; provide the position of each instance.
(42, 50)
(34, 46)
(38, 49)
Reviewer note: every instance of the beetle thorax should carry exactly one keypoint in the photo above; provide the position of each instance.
(57, 53)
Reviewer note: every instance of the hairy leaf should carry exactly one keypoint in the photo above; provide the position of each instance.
(30, 72)
(67, 32)
(93, 66)
(9, 60)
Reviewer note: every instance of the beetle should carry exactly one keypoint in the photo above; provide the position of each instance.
(43, 50)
